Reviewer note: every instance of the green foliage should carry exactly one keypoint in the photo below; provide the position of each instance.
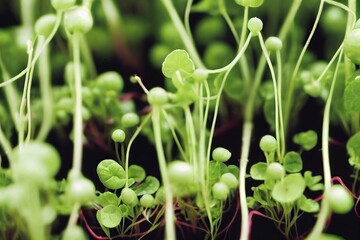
(111, 174)
(307, 140)
(289, 189)
(258, 171)
(177, 61)
(293, 162)
(109, 216)
(351, 96)
(353, 149)
(149, 186)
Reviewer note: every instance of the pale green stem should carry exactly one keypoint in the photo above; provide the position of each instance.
(28, 105)
(325, 209)
(77, 111)
(235, 60)
(12, 97)
(37, 55)
(73, 216)
(298, 63)
(276, 95)
(31, 213)
(131, 141)
(169, 212)
(46, 91)
(187, 18)
(244, 67)
(245, 149)
(279, 86)
(176, 139)
(189, 45)
(192, 137)
(22, 114)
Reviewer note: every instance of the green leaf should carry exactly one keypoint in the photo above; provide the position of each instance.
(262, 195)
(137, 173)
(149, 186)
(233, 169)
(289, 189)
(293, 162)
(111, 174)
(258, 171)
(109, 216)
(312, 182)
(216, 169)
(352, 96)
(353, 149)
(108, 198)
(308, 205)
(307, 140)
(178, 60)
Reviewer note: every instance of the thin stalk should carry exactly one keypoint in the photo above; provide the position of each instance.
(276, 95)
(325, 208)
(12, 97)
(131, 141)
(176, 139)
(37, 55)
(46, 91)
(28, 105)
(245, 149)
(244, 159)
(244, 66)
(189, 44)
(169, 212)
(297, 66)
(235, 60)
(77, 111)
(22, 114)
(279, 90)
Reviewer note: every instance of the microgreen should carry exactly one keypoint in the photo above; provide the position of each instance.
(223, 63)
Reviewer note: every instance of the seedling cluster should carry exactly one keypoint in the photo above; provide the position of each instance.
(189, 73)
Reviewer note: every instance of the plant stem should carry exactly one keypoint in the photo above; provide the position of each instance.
(297, 66)
(169, 212)
(131, 141)
(189, 45)
(325, 209)
(45, 88)
(77, 111)
(12, 97)
(276, 96)
(245, 149)
(22, 114)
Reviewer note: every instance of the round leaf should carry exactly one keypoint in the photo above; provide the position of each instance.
(258, 171)
(290, 189)
(307, 140)
(137, 173)
(149, 186)
(108, 198)
(178, 60)
(308, 205)
(109, 216)
(111, 174)
(293, 162)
